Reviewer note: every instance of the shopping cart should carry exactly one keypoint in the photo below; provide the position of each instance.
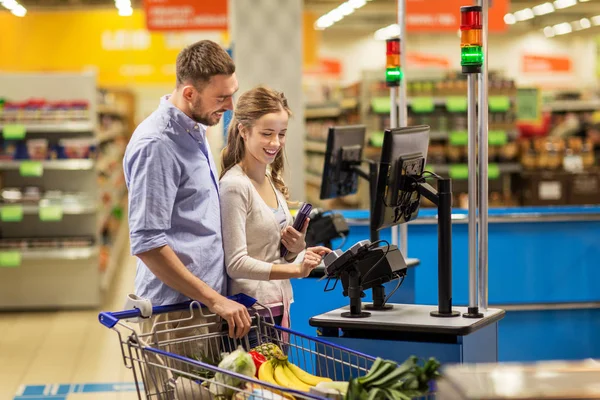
(176, 359)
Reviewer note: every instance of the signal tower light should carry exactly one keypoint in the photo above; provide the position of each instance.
(393, 72)
(471, 53)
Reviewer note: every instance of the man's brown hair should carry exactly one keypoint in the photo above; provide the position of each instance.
(201, 61)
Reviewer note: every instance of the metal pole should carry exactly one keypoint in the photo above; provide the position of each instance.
(402, 104)
(483, 162)
(394, 124)
(473, 310)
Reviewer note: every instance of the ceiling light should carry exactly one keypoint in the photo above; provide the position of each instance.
(564, 3)
(19, 11)
(387, 32)
(356, 3)
(562, 29)
(510, 19)
(346, 9)
(585, 23)
(596, 20)
(323, 22)
(525, 14)
(10, 4)
(543, 9)
(125, 12)
(583, 1)
(549, 31)
(123, 3)
(336, 15)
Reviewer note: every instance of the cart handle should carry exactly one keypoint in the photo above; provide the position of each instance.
(110, 319)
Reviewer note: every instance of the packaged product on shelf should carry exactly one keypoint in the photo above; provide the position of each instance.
(8, 149)
(32, 111)
(509, 152)
(32, 194)
(79, 110)
(77, 148)
(37, 149)
(11, 195)
(10, 112)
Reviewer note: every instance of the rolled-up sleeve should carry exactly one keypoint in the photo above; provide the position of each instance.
(152, 174)
(234, 210)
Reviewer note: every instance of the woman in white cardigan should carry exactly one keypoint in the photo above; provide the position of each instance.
(255, 216)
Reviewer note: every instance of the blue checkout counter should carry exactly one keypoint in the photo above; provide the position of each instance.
(544, 271)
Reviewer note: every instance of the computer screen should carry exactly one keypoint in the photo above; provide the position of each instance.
(403, 159)
(343, 153)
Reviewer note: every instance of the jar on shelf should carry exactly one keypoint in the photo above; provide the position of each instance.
(79, 110)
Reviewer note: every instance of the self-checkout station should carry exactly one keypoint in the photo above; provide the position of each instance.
(396, 183)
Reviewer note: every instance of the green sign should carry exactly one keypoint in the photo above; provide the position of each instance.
(529, 105)
(11, 213)
(459, 138)
(493, 171)
(31, 169)
(422, 104)
(499, 103)
(497, 138)
(376, 139)
(14, 132)
(456, 104)
(10, 259)
(51, 213)
(381, 105)
(459, 171)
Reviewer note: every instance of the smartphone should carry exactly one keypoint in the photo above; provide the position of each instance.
(303, 213)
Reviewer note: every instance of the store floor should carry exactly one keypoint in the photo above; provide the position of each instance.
(58, 355)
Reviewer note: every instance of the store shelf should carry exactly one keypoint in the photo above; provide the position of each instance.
(109, 135)
(120, 243)
(67, 209)
(315, 146)
(313, 179)
(110, 110)
(322, 112)
(505, 168)
(56, 127)
(573, 105)
(61, 165)
(83, 253)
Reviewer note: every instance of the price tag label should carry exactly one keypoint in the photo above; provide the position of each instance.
(422, 105)
(11, 213)
(499, 103)
(51, 213)
(14, 132)
(456, 104)
(31, 169)
(459, 138)
(493, 171)
(377, 139)
(381, 105)
(497, 138)
(459, 171)
(10, 259)
(572, 163)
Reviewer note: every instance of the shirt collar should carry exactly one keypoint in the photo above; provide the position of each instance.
(195, 129)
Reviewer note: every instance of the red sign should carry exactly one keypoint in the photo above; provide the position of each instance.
(426, 60)
(533, 63)
(325, 67)
(444, 15)
(186, 15)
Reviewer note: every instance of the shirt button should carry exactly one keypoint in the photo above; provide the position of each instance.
(187, 130)
(196, 127)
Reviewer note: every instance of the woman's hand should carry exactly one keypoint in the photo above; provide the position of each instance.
(294, 240)
(311, 261)
(320, 250)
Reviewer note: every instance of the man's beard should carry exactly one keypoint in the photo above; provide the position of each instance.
(205, 119)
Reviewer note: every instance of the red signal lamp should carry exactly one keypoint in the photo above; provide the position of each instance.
(393, 72)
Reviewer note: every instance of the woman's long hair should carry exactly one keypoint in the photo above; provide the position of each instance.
(251, 106)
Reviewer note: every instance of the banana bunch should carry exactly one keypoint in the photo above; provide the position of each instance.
(288, 375)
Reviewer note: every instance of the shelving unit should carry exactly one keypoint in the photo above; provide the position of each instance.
(61, 248)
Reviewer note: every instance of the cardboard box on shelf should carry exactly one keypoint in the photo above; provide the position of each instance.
(541, 188)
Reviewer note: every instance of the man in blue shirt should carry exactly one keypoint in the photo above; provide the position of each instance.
(174, 213)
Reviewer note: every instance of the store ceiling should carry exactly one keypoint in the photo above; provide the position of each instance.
(377, 14)
(70, 4)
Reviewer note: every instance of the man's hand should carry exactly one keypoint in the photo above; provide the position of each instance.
(235, 314)
(294, 240)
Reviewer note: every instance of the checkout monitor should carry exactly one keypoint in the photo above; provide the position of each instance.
(403, 159)
(342, 155)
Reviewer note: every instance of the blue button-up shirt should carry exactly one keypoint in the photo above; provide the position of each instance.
(174, 200)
